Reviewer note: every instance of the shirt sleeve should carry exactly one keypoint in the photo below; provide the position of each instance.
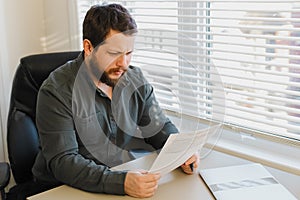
(161, 125)
(59, 147)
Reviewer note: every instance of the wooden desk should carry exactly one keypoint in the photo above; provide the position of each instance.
(175, 185)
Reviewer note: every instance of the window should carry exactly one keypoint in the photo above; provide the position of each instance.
(223, 60)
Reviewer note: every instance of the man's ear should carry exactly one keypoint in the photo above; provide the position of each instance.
(87, 47)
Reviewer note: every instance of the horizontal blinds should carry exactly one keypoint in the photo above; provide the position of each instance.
(225, 60)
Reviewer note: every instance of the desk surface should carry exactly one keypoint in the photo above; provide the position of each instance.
(175, 185)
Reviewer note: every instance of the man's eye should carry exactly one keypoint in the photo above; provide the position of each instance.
(113, 53)
(128, 53)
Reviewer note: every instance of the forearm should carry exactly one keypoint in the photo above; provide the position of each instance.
(76, 171)
(159, 139)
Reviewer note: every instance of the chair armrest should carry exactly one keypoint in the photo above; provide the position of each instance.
(4, 174)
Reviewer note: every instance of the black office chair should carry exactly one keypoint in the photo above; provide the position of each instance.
(22, 136)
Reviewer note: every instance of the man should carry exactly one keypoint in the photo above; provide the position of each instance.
(93, 111)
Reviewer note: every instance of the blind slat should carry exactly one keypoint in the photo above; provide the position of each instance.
(144, 34)
(232, 85)
(269, 46)
(230, 67)
(245, 27)
(245, 19)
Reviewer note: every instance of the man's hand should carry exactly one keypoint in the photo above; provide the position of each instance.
(141, 184)
(191, 164)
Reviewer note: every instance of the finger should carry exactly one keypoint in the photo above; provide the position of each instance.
(150, 185)
(150, 192)
(196, 164)
(152, 177)
(195, 159)
(142, 171)
(187, 169)
(142, 193)
(191, 160)
(145, 193)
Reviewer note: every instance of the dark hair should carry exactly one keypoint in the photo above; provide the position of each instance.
(100, 19)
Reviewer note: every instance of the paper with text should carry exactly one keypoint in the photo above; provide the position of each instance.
(179, 148)
(247, 182)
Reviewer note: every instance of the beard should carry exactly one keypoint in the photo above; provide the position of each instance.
(108, 81)
(102, 75)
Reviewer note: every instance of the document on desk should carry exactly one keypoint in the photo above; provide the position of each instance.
(179, 148)
(247, 182)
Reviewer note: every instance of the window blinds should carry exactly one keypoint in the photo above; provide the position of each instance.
(223, 60)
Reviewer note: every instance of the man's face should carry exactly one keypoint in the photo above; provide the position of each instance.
(113, 57)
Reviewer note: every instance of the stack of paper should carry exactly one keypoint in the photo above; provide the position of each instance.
(246, 182)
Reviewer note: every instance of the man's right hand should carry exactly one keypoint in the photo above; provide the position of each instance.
(141, 184)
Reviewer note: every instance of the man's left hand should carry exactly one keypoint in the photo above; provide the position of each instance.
(190, 166)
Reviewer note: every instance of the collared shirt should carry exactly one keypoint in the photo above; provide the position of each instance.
(83, 132)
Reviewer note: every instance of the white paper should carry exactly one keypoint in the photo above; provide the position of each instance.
(179, 148)
(247, 182)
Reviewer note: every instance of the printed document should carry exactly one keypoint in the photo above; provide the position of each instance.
(247, 182)
(179, 148)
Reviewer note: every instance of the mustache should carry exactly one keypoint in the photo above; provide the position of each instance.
(116, 70)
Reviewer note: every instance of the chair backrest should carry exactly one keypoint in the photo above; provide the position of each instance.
(22, 137)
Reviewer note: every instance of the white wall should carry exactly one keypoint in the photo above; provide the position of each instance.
(61, 25)
(21, 24)
(3, 62)
(29, 27)
(21, 32)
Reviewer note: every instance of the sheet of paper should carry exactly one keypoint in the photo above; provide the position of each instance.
(179, 148)
(247, 182)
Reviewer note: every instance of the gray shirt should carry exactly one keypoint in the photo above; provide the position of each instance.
(83, 132)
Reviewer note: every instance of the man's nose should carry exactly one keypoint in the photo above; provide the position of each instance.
(122, 61)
